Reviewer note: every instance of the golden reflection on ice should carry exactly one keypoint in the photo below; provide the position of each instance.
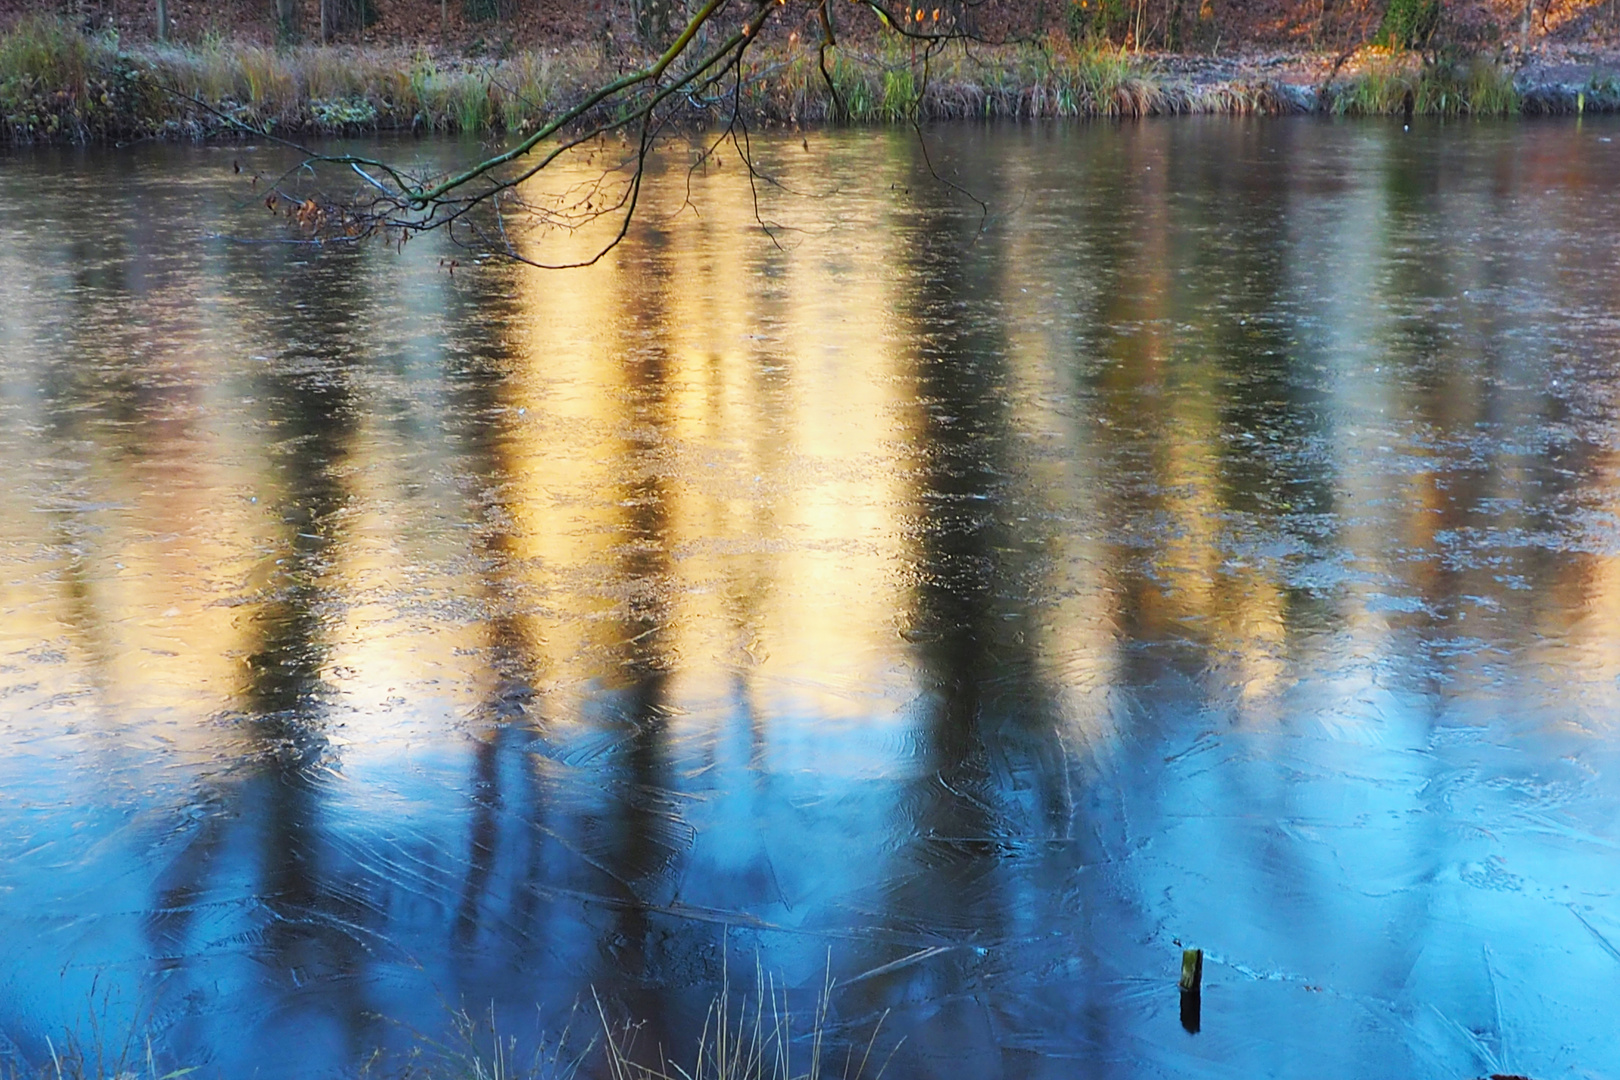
(968, 597)
(740, 406)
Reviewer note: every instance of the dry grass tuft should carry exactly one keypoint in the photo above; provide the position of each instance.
(756, 1038)
(756, 1041)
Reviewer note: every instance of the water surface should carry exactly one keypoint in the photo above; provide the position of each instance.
(1217, 545)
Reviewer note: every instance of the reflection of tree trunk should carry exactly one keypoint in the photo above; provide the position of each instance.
(499, 820)
(644, 850)
(271, 818)
(989, 713)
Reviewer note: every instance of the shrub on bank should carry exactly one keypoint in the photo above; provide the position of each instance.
(58, 85)
(1392, 85)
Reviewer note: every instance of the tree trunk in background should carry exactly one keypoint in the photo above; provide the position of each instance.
(163, 20)
(655, 21)
(326, 23)
(287, 20)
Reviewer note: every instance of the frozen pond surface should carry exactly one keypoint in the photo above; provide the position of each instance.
(1219, 548)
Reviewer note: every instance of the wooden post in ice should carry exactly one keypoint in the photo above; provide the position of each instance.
(1192, 981)
(1192, 970)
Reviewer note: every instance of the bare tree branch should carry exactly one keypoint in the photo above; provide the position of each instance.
(487, 206)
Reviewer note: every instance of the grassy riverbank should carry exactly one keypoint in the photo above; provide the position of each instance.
(57, 85)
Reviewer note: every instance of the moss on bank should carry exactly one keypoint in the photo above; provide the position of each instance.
(57, 85)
